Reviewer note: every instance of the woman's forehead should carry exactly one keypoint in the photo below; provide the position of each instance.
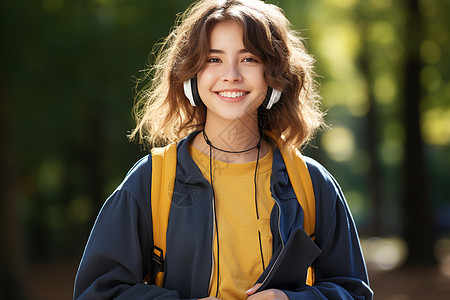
(226, 32)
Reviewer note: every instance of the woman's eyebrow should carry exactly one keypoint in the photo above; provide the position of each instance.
(221, 51)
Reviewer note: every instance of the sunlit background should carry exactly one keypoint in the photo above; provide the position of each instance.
(68, 70)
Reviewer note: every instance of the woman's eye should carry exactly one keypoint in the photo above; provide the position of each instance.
(213, 60)
(250, 59)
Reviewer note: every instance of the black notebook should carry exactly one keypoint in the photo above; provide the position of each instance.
(289, 270)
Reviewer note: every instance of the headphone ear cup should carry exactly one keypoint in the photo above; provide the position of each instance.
(188, 91)
(276, 95)
(191, 91)
(272, 97)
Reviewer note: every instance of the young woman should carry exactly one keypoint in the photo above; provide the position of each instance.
(234, 88)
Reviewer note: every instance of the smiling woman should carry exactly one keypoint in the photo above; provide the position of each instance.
(230, 209)
(266, 36)
(232, 84)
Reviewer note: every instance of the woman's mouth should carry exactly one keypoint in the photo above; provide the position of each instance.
(232, 96)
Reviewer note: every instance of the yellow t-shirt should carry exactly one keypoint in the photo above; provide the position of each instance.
(240, 263)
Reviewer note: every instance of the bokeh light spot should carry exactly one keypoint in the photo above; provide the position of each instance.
(339, 143)
(50, 175)
(385, 89)
(382, 32)
(391, 152)
(339, 44)
(436, 127)
(80, 209)
(430, 52)
(394, 131)
(384, 254)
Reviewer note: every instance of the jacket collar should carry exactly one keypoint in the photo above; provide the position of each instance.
(188, 171)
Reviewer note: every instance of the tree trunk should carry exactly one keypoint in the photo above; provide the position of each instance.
(416, 203)
(375, 182)
(12, 263)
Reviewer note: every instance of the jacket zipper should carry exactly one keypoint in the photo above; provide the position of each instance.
(282, 243)
(212, 242)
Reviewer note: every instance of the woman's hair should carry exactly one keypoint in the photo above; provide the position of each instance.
(164, 114)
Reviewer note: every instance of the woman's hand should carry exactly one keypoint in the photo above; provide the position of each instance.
(265, 295)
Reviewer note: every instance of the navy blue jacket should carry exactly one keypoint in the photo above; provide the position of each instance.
(118, 253)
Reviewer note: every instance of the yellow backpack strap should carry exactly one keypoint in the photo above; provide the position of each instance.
(302, 185)
(164, 164)
(303, 188)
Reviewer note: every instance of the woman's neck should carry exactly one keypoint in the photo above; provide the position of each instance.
(232, 136)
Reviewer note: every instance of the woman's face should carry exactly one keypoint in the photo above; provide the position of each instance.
(232, 83)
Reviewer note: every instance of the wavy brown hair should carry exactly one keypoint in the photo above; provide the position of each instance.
(162, 111)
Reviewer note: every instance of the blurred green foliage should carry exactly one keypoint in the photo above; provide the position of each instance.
(67, 70)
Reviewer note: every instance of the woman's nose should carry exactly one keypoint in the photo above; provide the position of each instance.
(232, 73)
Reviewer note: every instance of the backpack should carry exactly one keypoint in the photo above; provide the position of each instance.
(164, 163)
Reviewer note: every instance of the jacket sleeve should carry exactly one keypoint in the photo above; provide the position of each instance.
(340, 271)
(118, 253)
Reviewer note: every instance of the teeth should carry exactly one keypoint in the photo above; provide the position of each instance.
(231, 94)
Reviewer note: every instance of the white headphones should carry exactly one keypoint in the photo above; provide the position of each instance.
(272, 97)
(191, 92)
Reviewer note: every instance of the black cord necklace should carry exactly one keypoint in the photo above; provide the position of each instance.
(211, 146)
(229, 151)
